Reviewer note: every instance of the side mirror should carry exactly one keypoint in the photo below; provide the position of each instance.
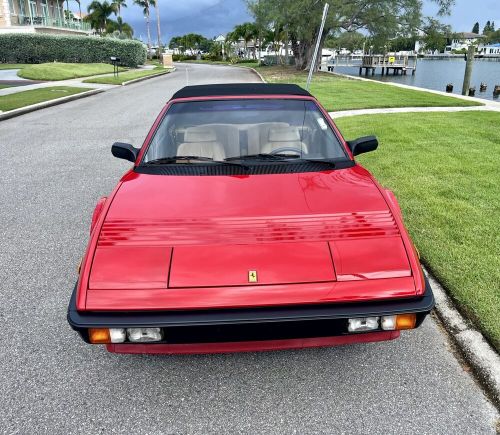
(124, 151)
(363, 145)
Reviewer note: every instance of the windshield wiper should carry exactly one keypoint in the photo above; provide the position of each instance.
(174, 159)
(263, 156)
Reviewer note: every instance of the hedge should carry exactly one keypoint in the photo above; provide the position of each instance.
(41, 48)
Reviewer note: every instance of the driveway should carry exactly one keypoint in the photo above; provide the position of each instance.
(55, 164)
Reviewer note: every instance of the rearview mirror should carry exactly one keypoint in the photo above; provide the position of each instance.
(124, 151)
(363, 145)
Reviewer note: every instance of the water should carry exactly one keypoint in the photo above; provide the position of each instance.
(436, 74)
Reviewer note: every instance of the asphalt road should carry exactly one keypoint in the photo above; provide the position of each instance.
(55, 164)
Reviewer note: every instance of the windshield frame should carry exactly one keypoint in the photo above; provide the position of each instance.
(161, 117)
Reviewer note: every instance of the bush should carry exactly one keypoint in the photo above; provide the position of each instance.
(181, 57)
(212, 57)
(42, 48)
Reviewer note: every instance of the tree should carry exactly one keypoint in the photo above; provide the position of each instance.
(79, 9)
(475, 29)
(99, 14)
(381, 18)
(487, 28)
(493, 37)
(119, 26)
(436, 35)
(119, 4)
(350, 40)
(247, 32)
(158, 31)
(145, 5)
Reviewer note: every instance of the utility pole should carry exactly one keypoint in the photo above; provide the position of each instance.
(468, 69)
(318, 42)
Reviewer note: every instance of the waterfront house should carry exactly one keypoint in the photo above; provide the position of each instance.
(489, 50)
(462, 41)
(38, 16)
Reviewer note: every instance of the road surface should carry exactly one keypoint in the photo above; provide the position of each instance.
(55, 164)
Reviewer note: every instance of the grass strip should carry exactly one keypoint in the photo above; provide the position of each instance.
(443, 168)
(64, 71)
(27, 98)
(126, 76)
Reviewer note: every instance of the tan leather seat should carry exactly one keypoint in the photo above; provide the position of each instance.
(258, 135)
(284, 137)
(201, 141)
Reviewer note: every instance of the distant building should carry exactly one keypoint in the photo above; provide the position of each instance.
(462, 41)
(39, 16)
(489, 50)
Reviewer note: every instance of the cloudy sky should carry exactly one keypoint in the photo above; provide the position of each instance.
(213, 17)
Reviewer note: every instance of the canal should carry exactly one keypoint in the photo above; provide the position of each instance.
(436, 74)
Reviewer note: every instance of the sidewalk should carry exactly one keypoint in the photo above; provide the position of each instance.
(490, 106)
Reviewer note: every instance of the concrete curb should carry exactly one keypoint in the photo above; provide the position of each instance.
(27, 109)
(256, 72)
(475, 349)
(140, 79)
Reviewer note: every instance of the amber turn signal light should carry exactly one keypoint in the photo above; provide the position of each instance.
(406, 321)
(99, 335)
(399, 322)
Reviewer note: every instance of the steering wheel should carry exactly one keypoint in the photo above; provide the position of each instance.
(284, 149)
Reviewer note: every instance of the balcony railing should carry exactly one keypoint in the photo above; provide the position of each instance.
(25, 20)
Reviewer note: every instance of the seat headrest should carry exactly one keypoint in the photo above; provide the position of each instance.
(284, 134)
(195, 134)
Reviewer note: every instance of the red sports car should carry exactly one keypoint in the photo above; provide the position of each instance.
(246, 224)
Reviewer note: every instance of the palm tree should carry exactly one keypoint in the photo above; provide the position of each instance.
(99, 14)
(145, 4)
(80, 10)
(155, 3)
(119, 4)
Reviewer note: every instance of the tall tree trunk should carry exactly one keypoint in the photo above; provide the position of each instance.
(301, 52)
(313, 46)
(157, 9)
(149, 35)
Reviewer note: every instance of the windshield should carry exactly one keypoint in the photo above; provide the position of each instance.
(252, 129)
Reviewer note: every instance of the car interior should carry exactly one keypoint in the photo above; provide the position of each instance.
(193, 134)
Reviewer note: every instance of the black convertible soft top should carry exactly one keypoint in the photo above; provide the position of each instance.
(230, 89)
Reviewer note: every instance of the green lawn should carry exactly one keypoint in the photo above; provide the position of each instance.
(13, 65)
(63, 71)
(338, 93)
(126, 76)
(444, 170)
(26, 98)
(4, 86)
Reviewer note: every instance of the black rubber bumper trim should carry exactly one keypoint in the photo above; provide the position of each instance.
(80, 321)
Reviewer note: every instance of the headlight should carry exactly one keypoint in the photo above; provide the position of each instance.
(362, 324)
(144, 335)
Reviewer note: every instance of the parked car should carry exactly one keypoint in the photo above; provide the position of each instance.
(245, 223)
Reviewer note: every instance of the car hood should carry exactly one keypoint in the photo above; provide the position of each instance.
(181, 232)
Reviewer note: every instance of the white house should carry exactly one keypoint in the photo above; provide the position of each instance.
(489, 49)
(461, 41)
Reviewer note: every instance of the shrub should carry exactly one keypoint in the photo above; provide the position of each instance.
(181, 57)
(211, 56)
(42, 48)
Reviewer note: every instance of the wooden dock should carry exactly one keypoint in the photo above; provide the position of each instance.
(368, 63)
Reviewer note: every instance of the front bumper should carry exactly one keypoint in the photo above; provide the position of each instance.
(260, 328)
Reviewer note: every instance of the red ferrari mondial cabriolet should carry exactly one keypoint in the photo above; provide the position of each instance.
(246, 224)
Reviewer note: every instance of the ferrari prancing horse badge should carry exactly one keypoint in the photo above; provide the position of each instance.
(252, 276)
